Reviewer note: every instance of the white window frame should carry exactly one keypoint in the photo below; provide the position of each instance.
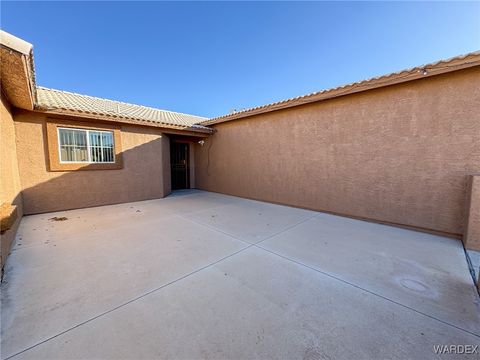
(88, 146)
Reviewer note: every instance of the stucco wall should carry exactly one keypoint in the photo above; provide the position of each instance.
(399, 154)
(9, 177)
(141, 177)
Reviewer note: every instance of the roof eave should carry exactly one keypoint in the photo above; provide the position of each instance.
(197, 129)
(419, 72)
(17, 71)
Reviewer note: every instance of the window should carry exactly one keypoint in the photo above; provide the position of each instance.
(87, 146)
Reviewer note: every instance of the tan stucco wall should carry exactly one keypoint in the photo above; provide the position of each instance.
(400, 154)
(471, 237)
(141, 177)
(9, 176)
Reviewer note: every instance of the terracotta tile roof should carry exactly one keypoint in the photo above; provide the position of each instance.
(64, 102)
(439, 67)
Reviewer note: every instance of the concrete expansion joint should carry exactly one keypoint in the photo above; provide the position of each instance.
(200, 210)
(366, 290)
(248, 246)
(212, 228)
(128, 302)
(246, 242)
(287, 228)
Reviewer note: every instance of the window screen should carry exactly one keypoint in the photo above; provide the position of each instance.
(90, 146)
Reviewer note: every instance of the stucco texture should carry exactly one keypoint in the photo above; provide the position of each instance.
(141, 178)
(9, 176)
(399, 154)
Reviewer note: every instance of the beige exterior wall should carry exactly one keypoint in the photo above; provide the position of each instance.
(471, 237)
(142, 176)
(9, 176)
(399, 154)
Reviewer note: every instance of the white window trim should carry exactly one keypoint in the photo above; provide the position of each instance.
(59, 146)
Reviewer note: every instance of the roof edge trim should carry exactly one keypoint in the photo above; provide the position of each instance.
(24, 50)
(415, 73)
(197, 128)
(15, 43)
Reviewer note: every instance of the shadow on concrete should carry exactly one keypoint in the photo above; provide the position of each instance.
(145, 175)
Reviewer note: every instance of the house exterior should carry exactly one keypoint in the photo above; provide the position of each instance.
(40, 171)
(401, 149)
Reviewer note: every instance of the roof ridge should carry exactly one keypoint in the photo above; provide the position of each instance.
(339, 87)
(120, 102)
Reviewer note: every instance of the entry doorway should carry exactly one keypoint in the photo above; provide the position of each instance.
(179, 155)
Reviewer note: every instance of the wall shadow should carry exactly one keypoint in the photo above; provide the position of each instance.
(140, 178)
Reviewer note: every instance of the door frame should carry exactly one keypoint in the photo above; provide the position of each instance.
(188, 184)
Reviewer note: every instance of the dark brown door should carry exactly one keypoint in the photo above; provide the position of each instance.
(179, 165)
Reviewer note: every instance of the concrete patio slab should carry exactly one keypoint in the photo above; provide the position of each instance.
(49, 287)
(189, 201)
(37, 229)
(165, 279)
(271, 308)
(252, 221)
(419, 270)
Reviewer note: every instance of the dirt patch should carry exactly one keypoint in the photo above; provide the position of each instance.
(56, 218)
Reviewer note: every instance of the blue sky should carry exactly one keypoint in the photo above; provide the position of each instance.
(209, 58)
